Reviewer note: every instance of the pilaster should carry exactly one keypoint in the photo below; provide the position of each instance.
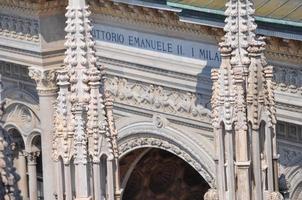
(47, 91)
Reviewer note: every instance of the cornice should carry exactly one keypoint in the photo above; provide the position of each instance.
(279, 49)
(151, 18)
(289, 107)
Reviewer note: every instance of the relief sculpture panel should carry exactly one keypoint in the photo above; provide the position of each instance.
(159, 98)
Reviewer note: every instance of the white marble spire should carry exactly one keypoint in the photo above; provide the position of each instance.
(83, 121)
(244, 112)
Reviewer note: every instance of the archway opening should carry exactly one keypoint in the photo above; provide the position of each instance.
(155, 174)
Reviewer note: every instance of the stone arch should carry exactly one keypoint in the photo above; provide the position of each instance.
(292, 172)
(146, 135)
(31, 141)
(297, 192)
(22, 116)
(294, 179)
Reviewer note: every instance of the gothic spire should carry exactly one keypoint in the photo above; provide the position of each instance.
(244, 112)
(83, 121)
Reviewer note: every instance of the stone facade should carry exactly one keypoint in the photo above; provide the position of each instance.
(160, 100)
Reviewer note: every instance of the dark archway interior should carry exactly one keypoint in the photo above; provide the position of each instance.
(160, 175)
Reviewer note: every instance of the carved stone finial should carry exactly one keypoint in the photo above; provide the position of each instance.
(45, 80)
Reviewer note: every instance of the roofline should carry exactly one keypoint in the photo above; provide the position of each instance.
(149, 5)
(215, 18)
(220, 12)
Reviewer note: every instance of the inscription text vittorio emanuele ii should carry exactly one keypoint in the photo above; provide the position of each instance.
(175, 46)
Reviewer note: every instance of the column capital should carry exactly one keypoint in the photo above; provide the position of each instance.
(45, 80)
(32, 157)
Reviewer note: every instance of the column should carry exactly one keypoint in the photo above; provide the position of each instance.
(32, 175)
(20, 163)
(47, 91)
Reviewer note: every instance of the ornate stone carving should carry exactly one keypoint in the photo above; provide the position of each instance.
(22, 116)
(84, 124)
(140, 142)
(244, 113)
(32, 157)
(35, 7)
(159, 121)
(19, 28)
(45, 80)
(158, 98)
(288, 79)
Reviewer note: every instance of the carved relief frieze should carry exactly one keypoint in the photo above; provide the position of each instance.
(19, 28)
(288, 79)
(159, 98)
